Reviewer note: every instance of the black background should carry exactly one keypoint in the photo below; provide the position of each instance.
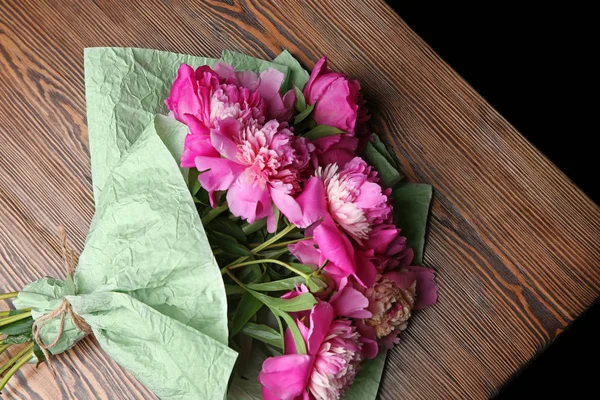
(534, 65)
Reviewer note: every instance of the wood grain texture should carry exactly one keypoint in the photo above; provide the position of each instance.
(515, 243)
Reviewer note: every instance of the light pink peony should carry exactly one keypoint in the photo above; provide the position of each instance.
(334, 354)
(257, 165)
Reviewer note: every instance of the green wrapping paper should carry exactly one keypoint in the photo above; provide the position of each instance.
(147, 282)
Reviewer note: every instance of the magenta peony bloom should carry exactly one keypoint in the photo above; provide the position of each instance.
(334, 354)
(236, 139)
(335, 149)
(337, 99)
(390, 250)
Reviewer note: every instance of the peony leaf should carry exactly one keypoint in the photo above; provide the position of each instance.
(366, 383)
(298, 338)
(227, 243)
(320, 131)
(300, 100)
(387, 172)
(303, 302)
(228, 227)
(17, 339)
(283, 284)
(411, 209)
(17, 327)
(263, 333)
(302, 116)
(247, 308)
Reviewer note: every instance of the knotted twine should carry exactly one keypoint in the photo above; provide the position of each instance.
(70, 263)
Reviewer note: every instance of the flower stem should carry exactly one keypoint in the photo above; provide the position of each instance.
(269, 261)
(7, 313)
(266, 244)
(14, 318)
(214, 213)
(3, 348)
(283, 244)
(25, 357)
(16, 358)
(6, 296)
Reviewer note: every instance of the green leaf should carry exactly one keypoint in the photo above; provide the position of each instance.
(300, 100)
(298, 338)
(228, 227)
(17, 327)
(263, 333)
(366, 383)
(227, 243)
(298, 76)
(307, 269)
(38, 353)
(243, 62)
(411, 209)
(316, 284)
(248, 307)
(17, 339)
(387, 172)
(234, 289)
(320, 131)
(302, 116)
(283, 284)
(303, 302)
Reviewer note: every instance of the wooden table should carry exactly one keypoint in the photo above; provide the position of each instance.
(515, 243)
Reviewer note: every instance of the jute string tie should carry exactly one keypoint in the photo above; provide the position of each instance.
(70, 263)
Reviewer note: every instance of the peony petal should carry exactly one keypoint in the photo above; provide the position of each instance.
(248, 200)
(307, 208)
(223, 138)
(306, 252)
(217, 173)
(321, 317)
(365, 269)
(333, 107)
(335, 246)
(320, 66)
(286, 377)
(427, 290)
(349, 302)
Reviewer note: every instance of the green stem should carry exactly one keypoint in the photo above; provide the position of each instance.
(283, 244)
(7, 313)
(274, 239)
(271, 261)
(14, 318)
(6, 296)
(19, 363)
(214, 213)
(15, 359)
(3, 348)
(251, 228)
(234, 278)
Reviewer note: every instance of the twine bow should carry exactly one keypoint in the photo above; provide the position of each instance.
(70, 263)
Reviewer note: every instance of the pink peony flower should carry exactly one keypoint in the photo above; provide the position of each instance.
(257, 165)
(390, 250)
(355, 200)
(333, 360)
(337, 99)
(335, 149)
(392, 298)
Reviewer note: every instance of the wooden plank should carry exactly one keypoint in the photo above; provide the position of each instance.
(515, 243)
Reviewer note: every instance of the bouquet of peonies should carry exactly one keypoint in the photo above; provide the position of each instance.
(244, 211)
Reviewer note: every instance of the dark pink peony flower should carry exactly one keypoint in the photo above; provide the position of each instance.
(334, 353)
(337, 99)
